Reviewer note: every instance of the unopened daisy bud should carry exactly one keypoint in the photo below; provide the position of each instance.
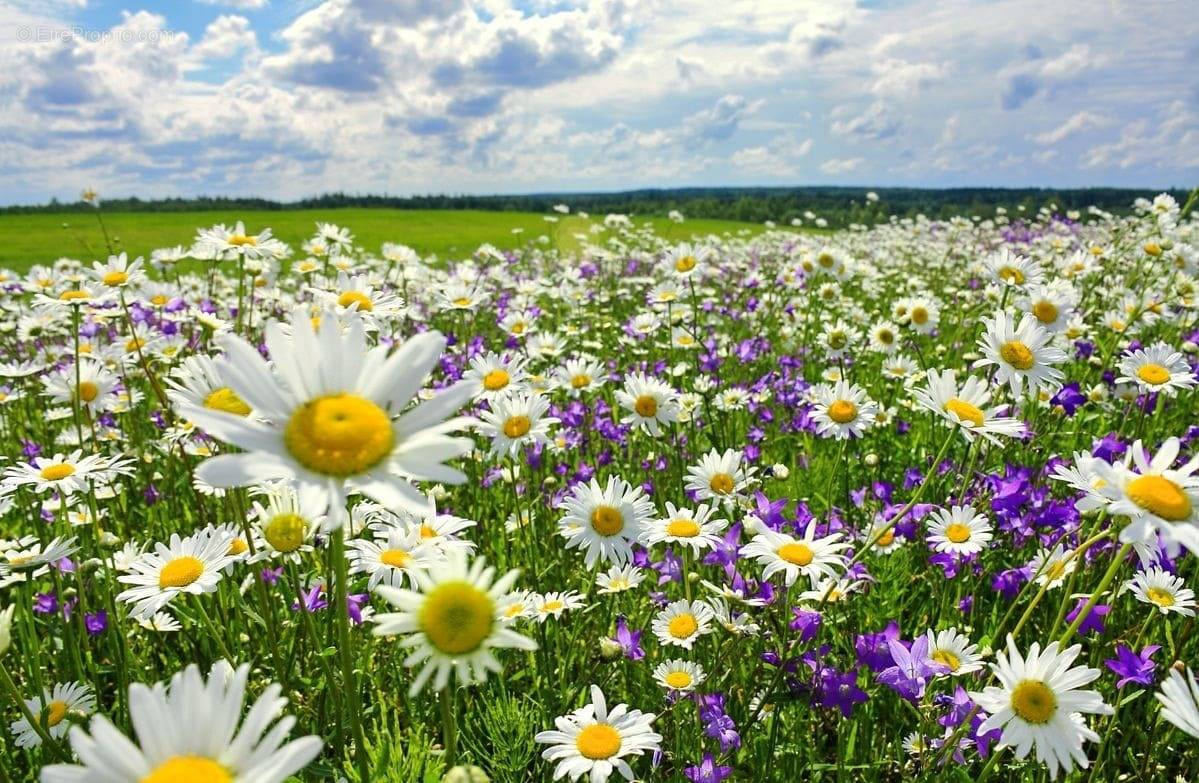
(440, 492)
(1189, 347)
(91, 564)
(609, 649)
(466, 774)
(108, 539)
(6, 628)
(871, 460)
(1095, 361)
(780, 471)
(550, 481)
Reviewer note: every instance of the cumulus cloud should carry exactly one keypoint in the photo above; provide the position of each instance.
(876, 122)
(842, 165)
(225, 37)
(241, 5)
(721, 120)
(1077, 123)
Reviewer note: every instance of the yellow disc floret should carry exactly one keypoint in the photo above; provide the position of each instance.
(457, 617)
(339, 435)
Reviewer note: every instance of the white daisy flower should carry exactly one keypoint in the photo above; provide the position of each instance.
(958, 529)
(491, 375)
(965, 406)
(554, 604)
(581, 375)
(720, 477)
(66, 474)
(92, 392)
(51, 710)
(1021, 353)
(1008, 268)
(1158, 368)
(619, 578)
(189, 565)
(604, 521)
(1154, 495)
(650, 403)
(694, 529)
(393, 555)
(953, 650)
(594, 742)
(808, 556)
(1179, 698)
(516, 421)
(679, 676)
(1051, 566)
(1162, 589)
(682, 622)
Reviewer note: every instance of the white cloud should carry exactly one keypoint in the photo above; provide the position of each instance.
(721, 120)
(226, 36)
(877, 121)
(900, 78)
(1077, 123)
(842, 165)
(241, 5)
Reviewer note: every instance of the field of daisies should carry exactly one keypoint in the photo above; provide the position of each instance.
(915, 501)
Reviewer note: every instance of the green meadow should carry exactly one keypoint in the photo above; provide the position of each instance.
(27, 239)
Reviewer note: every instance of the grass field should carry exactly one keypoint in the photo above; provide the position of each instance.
(41, 238)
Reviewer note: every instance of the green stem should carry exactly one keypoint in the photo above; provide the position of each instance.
(1104, 584)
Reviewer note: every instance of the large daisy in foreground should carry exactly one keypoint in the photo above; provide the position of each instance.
(330, 413)
(594, 741)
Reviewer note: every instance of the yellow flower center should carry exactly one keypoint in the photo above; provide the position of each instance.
(55, 712)
(159, 300)
(685, 264)
(1045, 311)
(1017, 354)
(134, 344)
(957, 532)
(838, 340)
(580, 381)
(517, 426)
(74, 296)
(598, 741)
(115, 278)
(1033, 701)
(396, 558)
(965, 411)
(1012, 275)
(552, 606)
(886, 539)
(842, 411)
(57, 471)
(682, 528)
(886, 336)
(796, 553)
(946, 658)
(607, 521)
(1153, 374)
(919, 316)
(180, 572)
(225, 399)
(426, 531)
(682, 626)
(237, 546)
(1055, 570)
(365, 305)
(496, 380)
(462, 301)
(88, 391)
(678, 680)
(457, 617)
(646, 406)
(721, 483)
(188, 769)
(1152, 248)
(339, 435)
(241, 240)
(1161, 597)
(1160, 496)
(285, 532)
(826, 260)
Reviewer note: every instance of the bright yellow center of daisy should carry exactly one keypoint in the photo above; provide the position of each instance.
(678, 680)
(74, 296)
(496, 380)
(1160, 496)
(55, 712)
(965, 411)
(349, 298)
(457, 617)
(957, 533)
(188, 769)
(1055, 570)
(685, 264)
(580, 381)
(237, 546)
(598, 741)
(57, 471)
(241, 240)
(159, 299)
(517, 426)
(1153, 374)
(946, 658)
(134, 344)
(887, 538)
(225, 399)
(721, 483)
(88, 391)
(180, 572)
(1046, 312)
(682, 528)
(1159, 596)
(285, 532)
(646, 406)
(842, 411)
(682, 626)
(886, 336)
(919, 316)
(1033, 701)
(826, 260)
(796, 553)
(396, 558)
(1017, 354)
(607, 521)
(115, 278)
(552, 606)
(339, 435)
(462, 301)
(1012, 275)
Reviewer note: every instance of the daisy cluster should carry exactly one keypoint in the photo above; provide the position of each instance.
(916, 500)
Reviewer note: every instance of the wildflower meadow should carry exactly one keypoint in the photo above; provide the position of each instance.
(918, 500)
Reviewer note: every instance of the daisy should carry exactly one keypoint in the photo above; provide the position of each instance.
(519, 323)
(722, 478)
(922, 314)
(516, 421)
(682, 622)
(221, 243)
(66, 474)
(1051, 566)
(581, 375)
(189, 565)
(884, 337)
(1037, 701)
(830, 590)
(954, 651)
(1021, 353)
(51, 711)
(843, 410)
(1162, 589)
(451, 621)
(92, 392)
(393, 555)
(679, 676)
(1158, 368)
(289, 521)
(1179, 698)
(808, 556)
(649, 402)
(189, 730)
(325, 414)
(1052, 305)
(491, 375)
(965, 407)
(1008, 268)
(197, 382)
(118, 272)
(356, 293)
(554, 604)
(605, 521)
(685, 260)
(30, 555)
(694, 529)
(593, 742)
(619, 578)
(738, 624)
(958, 529)
(1156, 497)
(160, 622)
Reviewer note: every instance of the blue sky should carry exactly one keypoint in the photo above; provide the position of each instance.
(288, 98)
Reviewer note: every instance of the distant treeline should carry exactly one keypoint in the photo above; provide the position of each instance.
(840, 206)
